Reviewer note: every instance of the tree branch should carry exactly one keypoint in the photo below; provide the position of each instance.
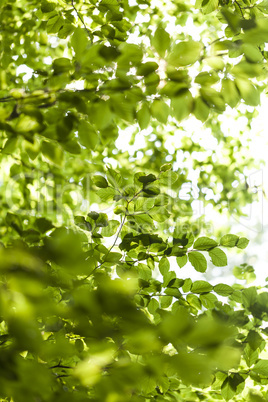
(240, 8)
(81, 19)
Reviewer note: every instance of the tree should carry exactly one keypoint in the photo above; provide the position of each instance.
(92, 305)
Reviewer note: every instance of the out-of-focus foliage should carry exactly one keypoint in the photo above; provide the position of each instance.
(94, 233)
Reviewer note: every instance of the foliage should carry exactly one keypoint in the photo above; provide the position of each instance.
(92, 306)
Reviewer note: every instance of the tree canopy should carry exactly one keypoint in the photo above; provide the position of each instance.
(110, 122)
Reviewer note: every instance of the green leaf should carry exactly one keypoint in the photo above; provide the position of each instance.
(230, 386)
(165, 301)
(47, 7)
(144, 116)
(174, 292)
(218, 257)
(79, 42)
(101, 115)
(209, 6)
(110, 229)
(229, 240)
(82, 223)
(194, 301)
(201, 287)
(182, 105)
(242, 243)
(198, 261)
(187, 285)
(263, 6)
(160, 110)
(248, 92)
(181, 261)
(160, 41)
(223, 290)
(100, 181)
(88, 136)
(53, 152)
(185, 53)
(201, 109)
(229, 92)
(164, 266)
(204, 243)
(147, 68)
(112, 258)
(54, 24)
(26, 123)
(249, 296)
(252, 53)
(153, 305)
(208, 300)
(261, 367)
(213, 98)
(168, 178)
(254, 339)
(107, 194)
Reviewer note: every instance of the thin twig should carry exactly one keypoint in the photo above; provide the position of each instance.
(240, 8)
(60, 366)
(110, 249)
(81, 19)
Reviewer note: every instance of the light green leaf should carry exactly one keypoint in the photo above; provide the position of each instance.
(112, 258)
(107, 194)
(182, 105)
(208, 300)
(26, 123)
(201, 287)
(218, 257)
(187, 285)
(174, 292)
(228, 390)
(213, 98)
(223, 290)
(229, 92)
(181, 261)
(229, 240)
(54, 24)
(53, 152)
(248, 92)
(252, 53)
(242, 243)
(204, 243)
(153, 305)
(79, 42)
(167, 178)
(194, 301)
(165, 301)
(164, 266)
(261, 367)
(87, 135)
(201, 109)
(185, 53)
(209, 6)
(263, 6)
(198, 261)
(111, 229)
(249, 296)
(144, 116)
(160, 41)
(160, 110)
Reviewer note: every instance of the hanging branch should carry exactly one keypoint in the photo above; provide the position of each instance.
(81, 19)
